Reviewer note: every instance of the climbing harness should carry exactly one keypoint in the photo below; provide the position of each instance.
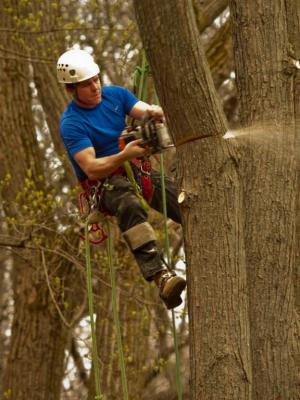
(89, 200)
(89, 204)
(140, 182)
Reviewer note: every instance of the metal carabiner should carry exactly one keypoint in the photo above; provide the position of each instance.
(94, 195)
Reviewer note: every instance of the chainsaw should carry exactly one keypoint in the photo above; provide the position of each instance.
(154, 135)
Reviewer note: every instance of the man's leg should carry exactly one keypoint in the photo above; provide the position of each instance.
(132, 220)
(173, 211)
(139, 235)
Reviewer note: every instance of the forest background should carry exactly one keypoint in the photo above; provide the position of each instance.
(241, 228)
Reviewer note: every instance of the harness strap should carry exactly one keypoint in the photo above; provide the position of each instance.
(144, 170)
(90, 199)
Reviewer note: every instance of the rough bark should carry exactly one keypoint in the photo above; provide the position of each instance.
(293, 15)
(212, 219)
(267, 84)
(36, 358)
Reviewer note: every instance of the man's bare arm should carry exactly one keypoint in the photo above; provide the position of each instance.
(98, 168)
(141, 108)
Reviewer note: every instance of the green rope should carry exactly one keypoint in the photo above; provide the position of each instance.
(115, 312)
(144, 75)
(167, 246)
(143, 71)
(142, 94)
(98, 396)
(134, 185)
(139, 78)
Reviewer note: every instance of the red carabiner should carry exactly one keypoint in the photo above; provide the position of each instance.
(96, 232)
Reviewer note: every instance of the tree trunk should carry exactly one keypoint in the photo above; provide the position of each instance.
(293, 15)
(51, 94)
(36, 358)
(267, 83)
(212, 201)
(38, 339)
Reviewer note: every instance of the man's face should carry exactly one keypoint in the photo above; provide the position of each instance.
(88, 93)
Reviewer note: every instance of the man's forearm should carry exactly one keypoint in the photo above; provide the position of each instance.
(100, 168)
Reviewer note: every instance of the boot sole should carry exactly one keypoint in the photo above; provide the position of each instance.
(172, 291)
(175, 302)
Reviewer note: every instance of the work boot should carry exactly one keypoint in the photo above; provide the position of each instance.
(170, 287)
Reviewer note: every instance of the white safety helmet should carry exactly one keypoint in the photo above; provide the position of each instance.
(76, 66)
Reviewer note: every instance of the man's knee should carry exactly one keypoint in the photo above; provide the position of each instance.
(139, 235)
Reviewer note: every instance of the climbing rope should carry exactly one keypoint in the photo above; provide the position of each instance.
(99, 396)
(115, 312)
(91, 312)
(130, 176)
(143, 73)
(140, 77)
(167, 249)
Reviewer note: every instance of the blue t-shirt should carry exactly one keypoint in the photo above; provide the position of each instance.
(98, 127)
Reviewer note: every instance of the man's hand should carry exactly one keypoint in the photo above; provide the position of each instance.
(140, 109)
(156, 112)
(134, 149)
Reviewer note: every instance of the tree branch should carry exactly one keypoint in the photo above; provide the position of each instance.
(79, 363)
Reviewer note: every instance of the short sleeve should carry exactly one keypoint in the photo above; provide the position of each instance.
(74, 137)
(129, 100)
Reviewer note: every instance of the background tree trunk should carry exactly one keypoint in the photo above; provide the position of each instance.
(51, 96)
(36, 358)
(269, 102)
(293, 15)
(38, 339)
(206, 11)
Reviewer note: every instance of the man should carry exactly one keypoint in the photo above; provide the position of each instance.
(90, 128)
